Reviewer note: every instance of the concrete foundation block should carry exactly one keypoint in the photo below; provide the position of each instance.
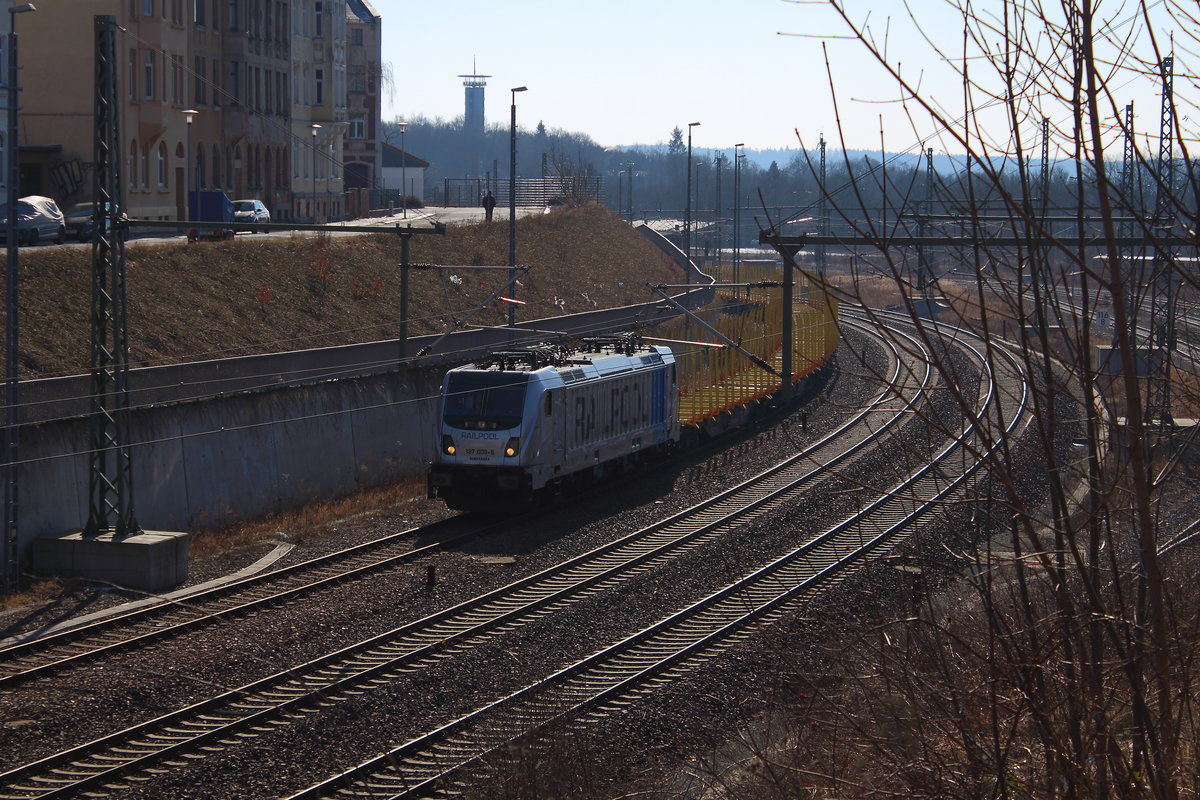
(150, 560)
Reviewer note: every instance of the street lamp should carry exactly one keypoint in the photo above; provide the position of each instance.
(512, 208)
(11, 329)
(687, 219)
(315, 128)
(629, 169)
(188, 114)
(403, 171)
(737, 213)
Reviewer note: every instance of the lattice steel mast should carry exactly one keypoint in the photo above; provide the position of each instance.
(110, 492)
(1162, 300)
(925, 278)
(1128, 165)
(822, 213)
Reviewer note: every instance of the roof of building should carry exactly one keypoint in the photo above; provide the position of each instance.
(395, 157)
(361, 10)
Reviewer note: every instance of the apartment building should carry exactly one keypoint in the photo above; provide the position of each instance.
(364, 76)
(318, 108)
(57, 65)
(215, 95)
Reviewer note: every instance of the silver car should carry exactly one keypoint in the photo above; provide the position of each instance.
(250, 211)
(38, 219)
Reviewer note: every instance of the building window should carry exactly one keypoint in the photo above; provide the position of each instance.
(233, 15)
(198, 11)
(145, 166)
(232, 88)
(147, 8)
(177, 80)
(162, 165)
(201, 81)
(132, 72)
(358, 129)
(133, 148)
(319, 87)
(176, 12)
(356, 36)
(319, 19)
(216, 167)
(149, 80)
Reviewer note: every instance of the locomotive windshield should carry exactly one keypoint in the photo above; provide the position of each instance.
(485, 400)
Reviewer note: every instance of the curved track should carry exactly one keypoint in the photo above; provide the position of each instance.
(615, 676)
(260, 707)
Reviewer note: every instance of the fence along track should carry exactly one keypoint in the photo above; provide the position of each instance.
(613, 677)
(259, 706)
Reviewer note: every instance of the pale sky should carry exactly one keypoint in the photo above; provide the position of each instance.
(628, 72)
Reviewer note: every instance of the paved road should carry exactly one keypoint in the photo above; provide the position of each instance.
(417, 217)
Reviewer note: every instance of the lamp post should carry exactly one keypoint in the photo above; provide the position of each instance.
(687, 218)
(403, 171)
(315, 128)
(189, 114)
(11, 328)
(737, 213)
(512, 208)
(629, 169)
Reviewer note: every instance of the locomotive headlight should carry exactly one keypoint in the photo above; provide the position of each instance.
(448, 446)
(513, 447)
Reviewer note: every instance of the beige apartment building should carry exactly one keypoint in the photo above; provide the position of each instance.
(318, 108)
(216, 95)
(364, 78)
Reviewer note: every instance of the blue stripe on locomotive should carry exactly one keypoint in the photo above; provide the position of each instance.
(658, 404)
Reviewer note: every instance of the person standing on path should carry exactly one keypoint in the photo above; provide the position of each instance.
(489, 205)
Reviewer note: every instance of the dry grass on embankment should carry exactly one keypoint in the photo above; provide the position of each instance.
(259, 294)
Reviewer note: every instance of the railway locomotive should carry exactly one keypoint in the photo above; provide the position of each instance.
(532, 420)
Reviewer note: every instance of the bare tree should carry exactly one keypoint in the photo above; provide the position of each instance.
(1059, 664)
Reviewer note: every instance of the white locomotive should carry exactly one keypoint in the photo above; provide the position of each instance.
(535, 419)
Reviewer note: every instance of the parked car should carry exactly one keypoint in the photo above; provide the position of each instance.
(79, 222)
(38, 219)
(250, 211)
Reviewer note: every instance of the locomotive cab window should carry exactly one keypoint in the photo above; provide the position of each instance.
(549, 403)
(485, 401)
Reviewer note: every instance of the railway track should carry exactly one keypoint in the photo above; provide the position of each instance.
(618, 675)
(256, 709)
(250, 710)
(42, 655)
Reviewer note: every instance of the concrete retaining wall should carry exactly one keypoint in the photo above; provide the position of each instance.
(218, 441)
(223, 459)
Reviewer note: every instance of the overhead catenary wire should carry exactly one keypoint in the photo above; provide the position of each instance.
(352, 369)
(267, 423)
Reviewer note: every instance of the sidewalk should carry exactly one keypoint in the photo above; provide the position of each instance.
(448, 215)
